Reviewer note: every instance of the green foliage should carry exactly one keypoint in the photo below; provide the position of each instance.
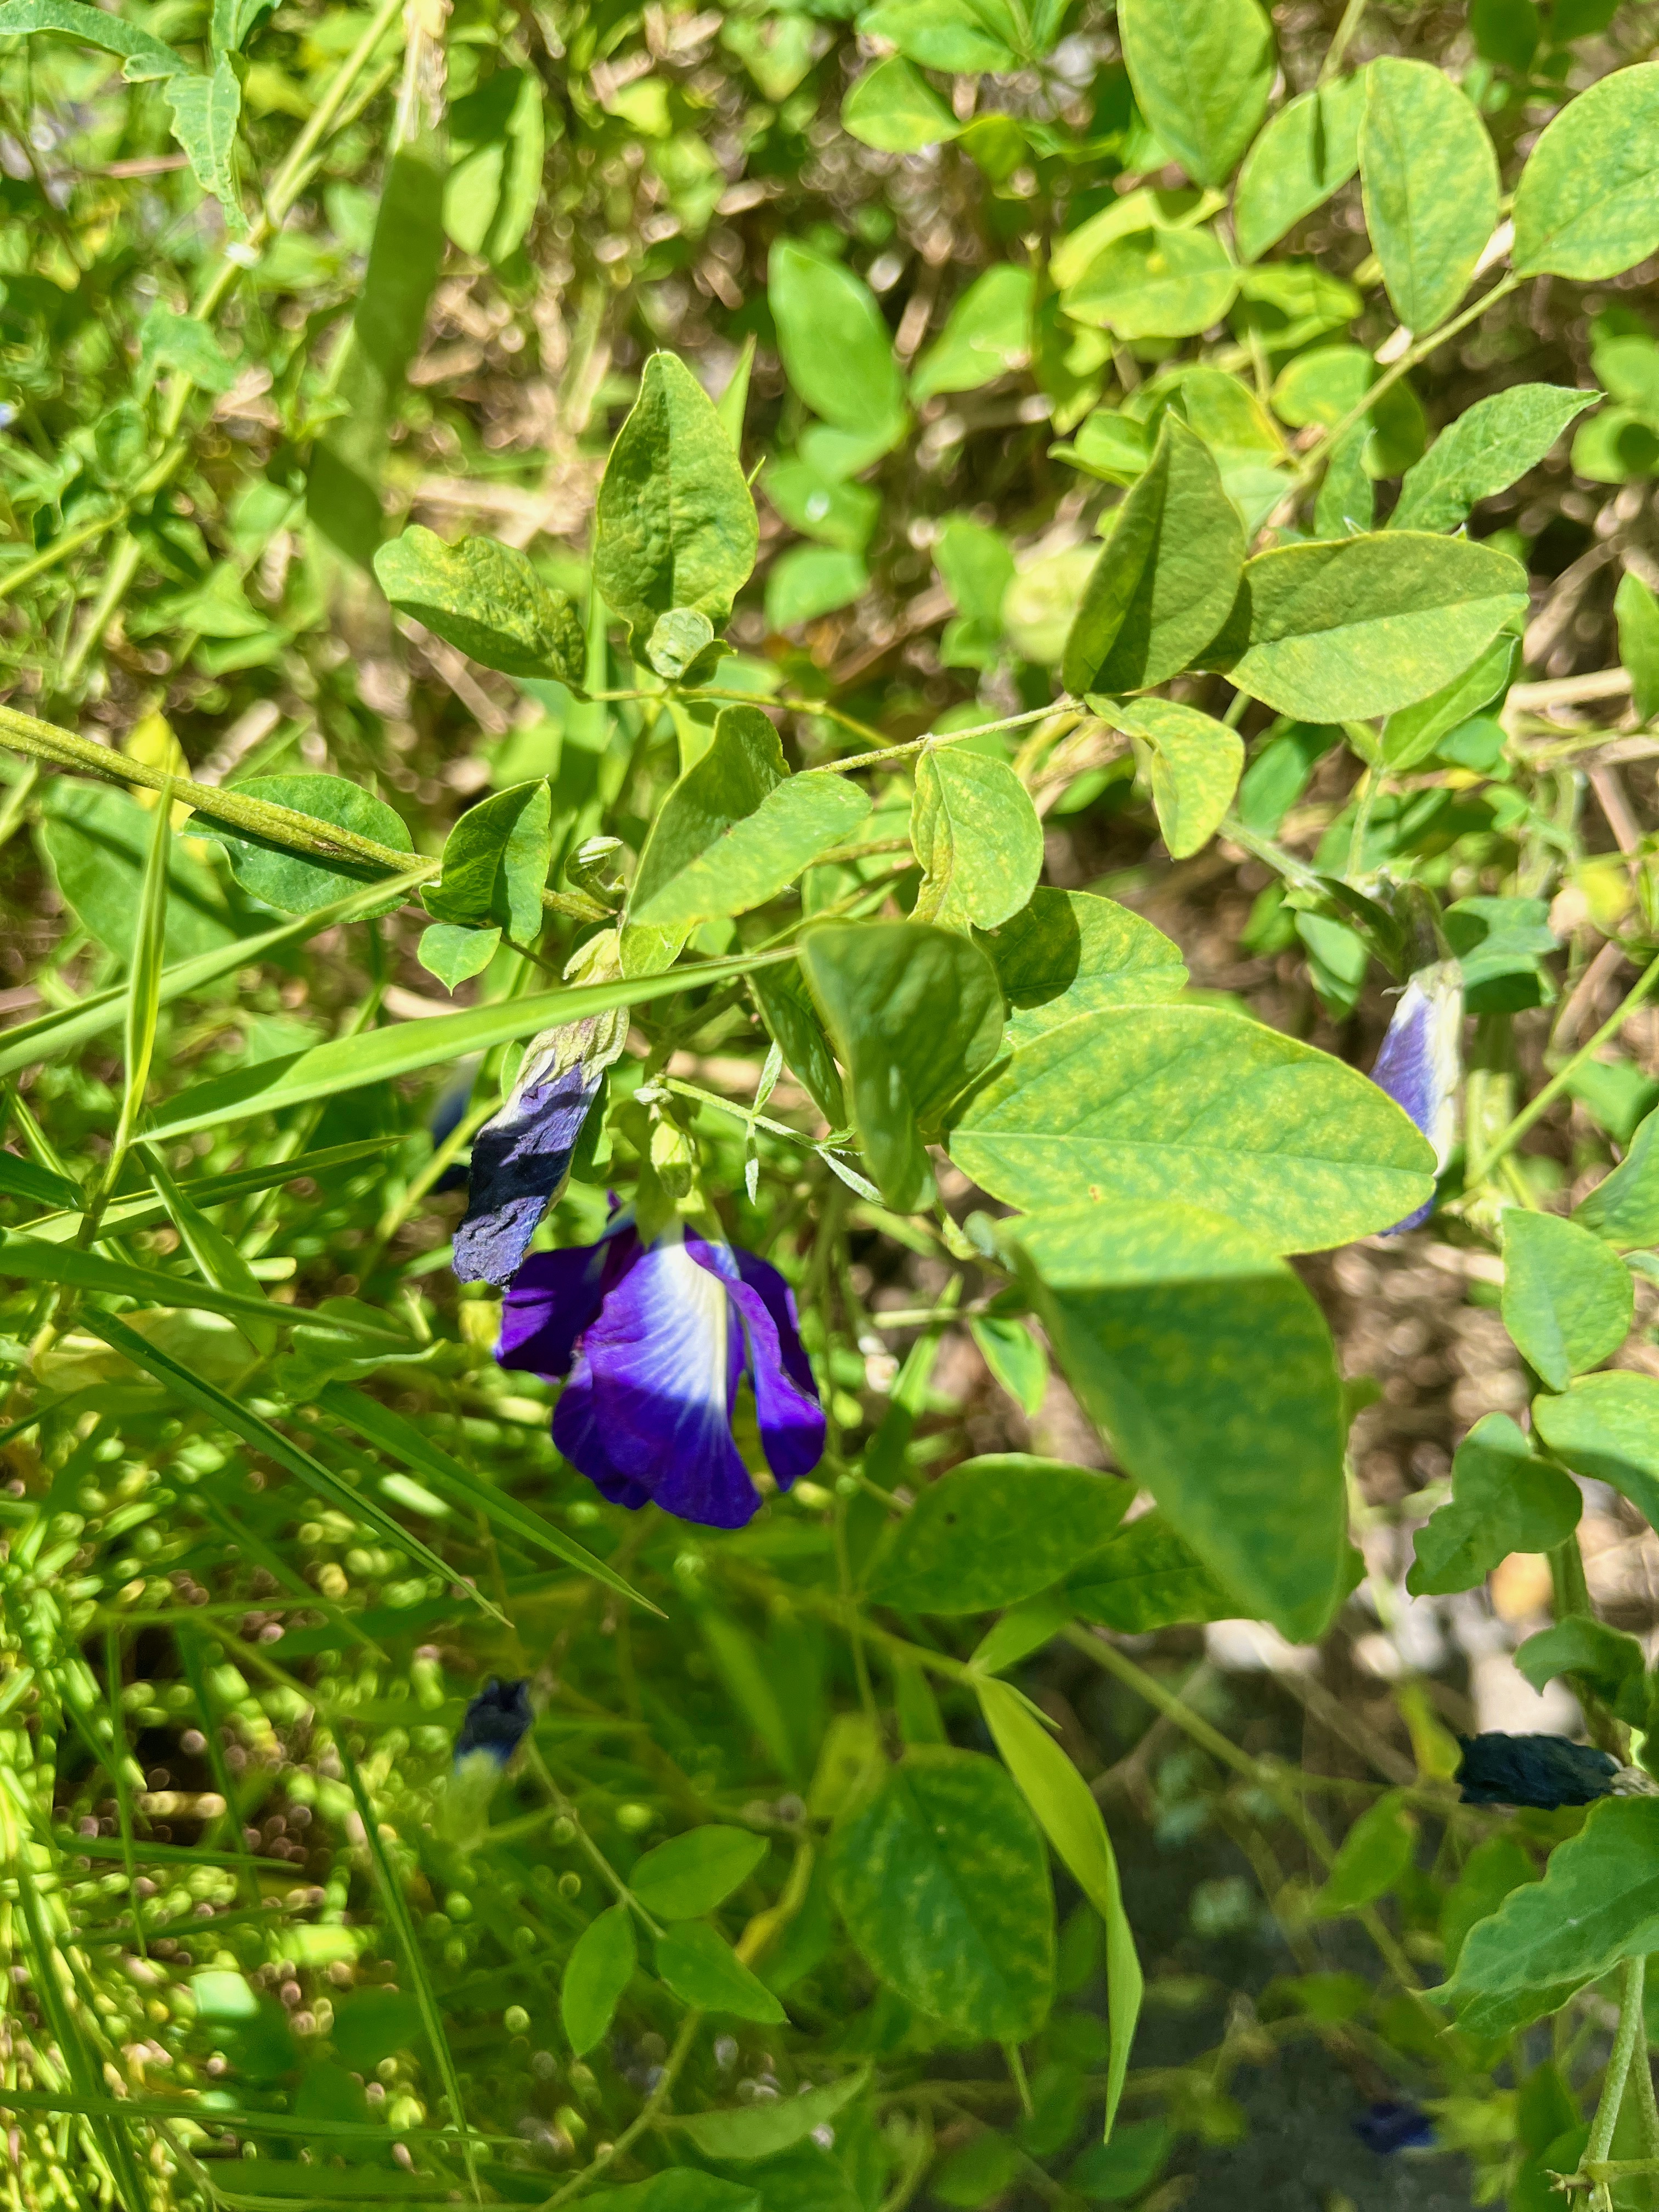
(1147, 502)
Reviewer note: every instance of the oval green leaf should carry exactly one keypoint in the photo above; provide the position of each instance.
(1067, 953)
(977, 834)
(1568, 1298)
(599, 1968)
(691, 1874)
(1587, 204)
(1429, 179)
(995, 1530)
(1190, 1104)
(1201, 71)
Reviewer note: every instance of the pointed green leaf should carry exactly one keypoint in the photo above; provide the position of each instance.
(675, 523)
(1430, 177)
(1598, 1903)
(1484, 452)
(893, 108)
(1201, 71)
(1624, 1208)
(1307, 150)
(763, 2130)
(205, 113)
(495, 864)
(1503, 1500)
(144, 58)
(703, 1970)
(1587, 205)
(1070, 1819)
(453, 953)
(977, 834)
(1638, 612)
(737, 827)
(1153, 1312)
(296, 883)
(914, 1014)
(1156, 284)
(837, 352)
(1163, 587)
(942, 1879)
(1373, 1854)
(597, 1973)
(1342, 630)
(1067, 953)
(486, 599)
(1205, 1108)
(1568, 1300)
(1146, 1578)
(691, 1874)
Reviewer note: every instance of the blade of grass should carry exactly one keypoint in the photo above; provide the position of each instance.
(31, 1260)
(254, 1429)
(124, 1215)
(390, 1432)
(379, 1055)
(189, 1648)
(143, 1003)
(217, 1258)
(26, 1043)
(396, 1911)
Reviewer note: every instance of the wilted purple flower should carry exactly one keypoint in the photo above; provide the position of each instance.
(1543, 1771)
(655, 1338)
(521, 1158)
(495, 1723)
(1388, 2127)
(1421, 1063)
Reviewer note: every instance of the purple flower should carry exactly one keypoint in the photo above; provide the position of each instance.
(521, 1158)
(1421, 1063)
(1388, 2127)
(495, 1723)
(655, 1338)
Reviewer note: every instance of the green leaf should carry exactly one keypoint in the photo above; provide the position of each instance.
(941, 1878)
(1307, 151)
(1430, 179)
(1067, 953)
(205, 113)
(976, 2172)
(1624, 1208)
(1587, 204)
(977, 834)
(1373, 1854)
(1598, 1903)
(1606, 1427)
(1568, 1301)
(894, 109)
(1201, 71)
(1603, 1658)
(453, 953)
(1340, 631)
(791, 1019)
(1491, 1871)
(96, 840)
(166, 340)
(839, 514)
(1070, 1819)
(1484, 452)
(1638, 612)
(37, 1259)
(737, 827)
(21, 1178)
(382, 1055)
(733, 402)
(486, 599)
(598, 1970)
(988, 333)
(763, 2130)
(836, 350)
(495, 864)
(691, 1874)
(297, 884)
(1154, 1312)
(1164, 585)
(1503, 1500)
(809, 581)
(1113, 2173)
(1013, 1355)
(144, 59)
(1146, 1578)
(1156, 284)
(675, 523)
(995, 1530)
(1411, 733)
(497, 139)
(703, 1970)
(1205, 1108)
(914, 1014)
(1195, 766)
(957, 35)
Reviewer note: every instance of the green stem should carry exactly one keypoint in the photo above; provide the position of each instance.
(1630, 2024)
(940, 738)
(1507, 1139)
(1339, 45)
(1391, 376)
